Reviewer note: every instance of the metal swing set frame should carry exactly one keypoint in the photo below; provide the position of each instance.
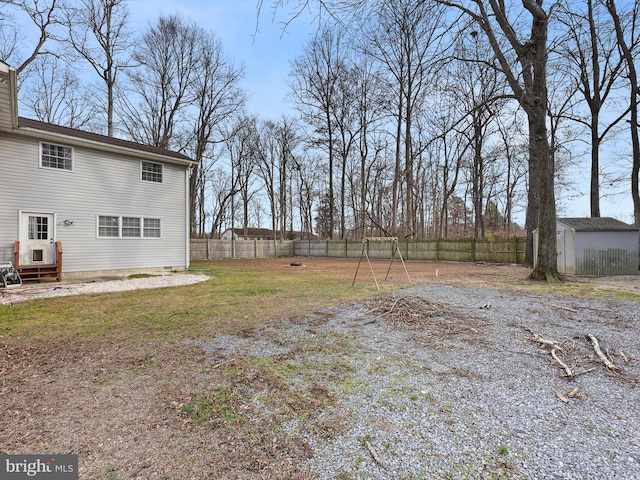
(365, 253)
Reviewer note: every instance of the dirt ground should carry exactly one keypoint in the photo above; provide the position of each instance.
(131, 412)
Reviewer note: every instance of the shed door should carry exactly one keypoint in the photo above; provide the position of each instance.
(37, 239)
(561, 246)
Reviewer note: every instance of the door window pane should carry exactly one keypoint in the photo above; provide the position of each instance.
(38, 228)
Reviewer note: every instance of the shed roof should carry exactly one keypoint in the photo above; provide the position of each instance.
(596, 224)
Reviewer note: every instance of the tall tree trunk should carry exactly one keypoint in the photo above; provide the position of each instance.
(634, 93)
(542, 204)
(398, 169)
(594, 192)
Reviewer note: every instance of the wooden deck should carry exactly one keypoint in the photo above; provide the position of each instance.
(30, 273)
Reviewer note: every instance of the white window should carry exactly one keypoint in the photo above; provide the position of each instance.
(56, 156)
(151, 172)
(151, 228)
(112, 226)
(131, 227)
(38, 228)
(108, 226)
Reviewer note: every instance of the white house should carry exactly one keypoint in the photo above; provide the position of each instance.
(98, 205)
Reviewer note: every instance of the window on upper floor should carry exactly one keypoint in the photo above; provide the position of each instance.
(151, 172)
(56, 156)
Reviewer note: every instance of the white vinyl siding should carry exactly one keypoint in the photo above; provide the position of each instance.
(56, 156)
(102, 184)
(151, 172)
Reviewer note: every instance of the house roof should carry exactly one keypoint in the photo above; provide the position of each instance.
(98, 140)
(268, 233)
(596, 224)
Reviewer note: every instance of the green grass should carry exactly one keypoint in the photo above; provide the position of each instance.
(218, 408)
(232, 299)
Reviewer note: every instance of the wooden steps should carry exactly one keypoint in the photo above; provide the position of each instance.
(34, 273)
(37, 272)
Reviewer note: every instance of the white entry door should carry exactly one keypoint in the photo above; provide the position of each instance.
(37, 238)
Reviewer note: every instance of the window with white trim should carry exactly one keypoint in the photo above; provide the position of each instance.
(152, 228)
(108, 226)
(56, 156)
(151, 172)
(111, 226)
(131, 227)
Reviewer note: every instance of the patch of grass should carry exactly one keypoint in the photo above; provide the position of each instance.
(235, 298)
(110, 474)
(219, 408)
(142, 275)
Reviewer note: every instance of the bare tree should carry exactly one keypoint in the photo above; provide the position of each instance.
(276, 164)
(503, 25)
(98, 33)
(314, 87)
(216, 98)
(478, 95)
(242, 154)
(512, 147)
(591, 51)
(222, 193)
(169, 59)
(46, 16)
(404, 38)
(628, 42)
(57, 97)
(369, 109)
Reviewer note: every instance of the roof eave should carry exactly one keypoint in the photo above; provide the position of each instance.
(96, 145)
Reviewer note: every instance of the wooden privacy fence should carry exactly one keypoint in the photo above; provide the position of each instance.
(492, 250)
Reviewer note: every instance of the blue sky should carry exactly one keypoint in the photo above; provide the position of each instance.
(265, 54)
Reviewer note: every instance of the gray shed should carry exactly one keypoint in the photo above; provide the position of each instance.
(597, 246)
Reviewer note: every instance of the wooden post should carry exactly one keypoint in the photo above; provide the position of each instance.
(59, 261)
(16, 255)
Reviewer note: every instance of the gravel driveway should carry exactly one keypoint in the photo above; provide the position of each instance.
(455, 386)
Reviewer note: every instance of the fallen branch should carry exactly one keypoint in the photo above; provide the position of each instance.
(373, 453)
(561, 396)
(560, 307)
(542, 341)
(624, 357)
(596, 347)
(561, 363)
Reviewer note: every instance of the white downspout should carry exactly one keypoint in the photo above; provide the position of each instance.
(187, 260)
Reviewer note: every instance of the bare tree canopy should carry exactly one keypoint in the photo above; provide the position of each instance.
(98, 33)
